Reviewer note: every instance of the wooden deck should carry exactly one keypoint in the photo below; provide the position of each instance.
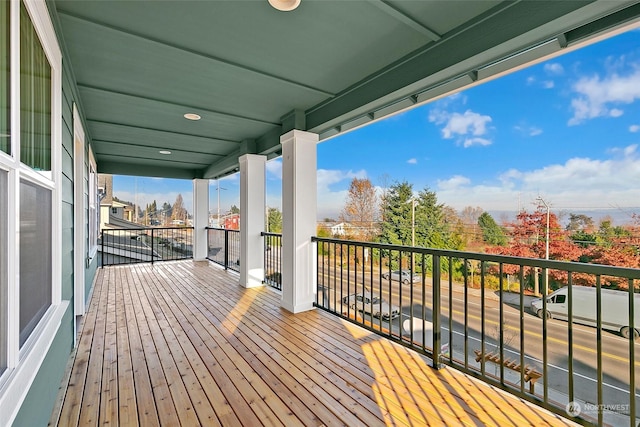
(180, 343)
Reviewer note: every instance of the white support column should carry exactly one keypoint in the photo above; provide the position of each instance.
(200, 218)
(299, 188)
(252, 208)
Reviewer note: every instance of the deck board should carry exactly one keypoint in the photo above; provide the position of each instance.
(180, 343)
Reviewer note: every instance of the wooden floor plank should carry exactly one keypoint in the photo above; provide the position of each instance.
(70, 411)
(147, 413)
(127, 414)
(90, 408)
(180, 343)
(163, 401)
(109, 386)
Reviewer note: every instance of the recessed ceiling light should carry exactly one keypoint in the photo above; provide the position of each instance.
(284, 5)
(164, 152)
(192, 116)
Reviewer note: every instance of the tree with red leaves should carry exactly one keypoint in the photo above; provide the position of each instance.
(528, 239)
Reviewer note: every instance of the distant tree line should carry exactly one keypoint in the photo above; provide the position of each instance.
(399, 216)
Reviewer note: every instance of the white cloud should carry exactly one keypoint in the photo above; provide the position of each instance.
(634, 128)
(467, 128)
(274, 168)
(453, 183)
(528, 130)
(548, 84)
(412, 161)
(615, 112)
(331, 200)
(469, 142)
(530, 80)
(601, 182)
(554, 68)
(595, 96)
(463, 124)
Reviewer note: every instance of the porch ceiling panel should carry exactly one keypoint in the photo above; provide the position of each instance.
(244, 67)
(161, 140)
(130, 110)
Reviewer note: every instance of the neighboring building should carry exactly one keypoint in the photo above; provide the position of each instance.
(336, 229)
(231, 221)
(113, 213)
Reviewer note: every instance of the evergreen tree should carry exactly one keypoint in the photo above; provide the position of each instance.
(431, 226)
(492, 233)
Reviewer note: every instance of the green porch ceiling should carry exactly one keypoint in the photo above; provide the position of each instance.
(253, 73)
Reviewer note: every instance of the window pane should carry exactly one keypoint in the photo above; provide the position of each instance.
(35, 256)
(4, 217)
(35, 98)
(5, 93)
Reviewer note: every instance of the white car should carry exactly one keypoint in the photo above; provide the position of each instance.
(403, 276)
(372, 304)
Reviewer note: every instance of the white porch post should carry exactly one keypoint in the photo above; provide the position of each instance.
(299, 190)
(200, 218)
(252, 208)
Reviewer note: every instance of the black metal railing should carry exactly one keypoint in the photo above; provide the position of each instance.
(273, 259)
(126, 246)
(477, 313)
(223, 247)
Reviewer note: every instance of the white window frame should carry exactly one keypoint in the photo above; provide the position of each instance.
(94, 204)
(24, 363)
(79, 205)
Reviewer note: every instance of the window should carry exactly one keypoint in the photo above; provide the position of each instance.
(31, 298)
(114, 210)
(35, 98)
(94, 202)
(5, 77)
(35, 255)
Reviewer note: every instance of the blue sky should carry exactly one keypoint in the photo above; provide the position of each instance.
(567, 129)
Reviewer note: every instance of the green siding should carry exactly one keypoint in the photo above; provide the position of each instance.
(38, 404)
(67, 190)
(67, 163)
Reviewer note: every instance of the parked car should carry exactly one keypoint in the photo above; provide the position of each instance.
(372, 304)
(403, 276)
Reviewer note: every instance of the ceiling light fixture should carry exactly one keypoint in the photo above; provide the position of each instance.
(164, 152)
(284, 5)
(192, 116)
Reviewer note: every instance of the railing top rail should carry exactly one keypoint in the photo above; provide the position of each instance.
(222, 229)
(268, 233)
(145, 228)
(576, 267)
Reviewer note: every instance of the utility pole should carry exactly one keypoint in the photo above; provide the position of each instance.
(219, 188)
(414, 203)
(546, 275)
